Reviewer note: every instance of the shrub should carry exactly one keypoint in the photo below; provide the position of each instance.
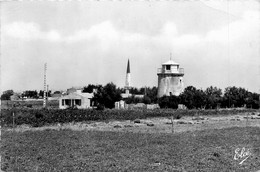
(40, 117)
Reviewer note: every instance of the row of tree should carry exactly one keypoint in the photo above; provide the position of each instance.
(210, 98)
(28, 93)
(106, 96)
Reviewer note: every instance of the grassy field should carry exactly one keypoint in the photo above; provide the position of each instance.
(67, 150)
(36, 104)
(40, 117)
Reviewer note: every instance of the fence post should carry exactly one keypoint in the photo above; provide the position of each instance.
(13, 120)
(172, 123)
(246, 119)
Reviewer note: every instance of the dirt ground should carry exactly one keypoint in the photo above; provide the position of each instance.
(158, 125)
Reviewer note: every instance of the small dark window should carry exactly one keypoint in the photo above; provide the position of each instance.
(67, 102)
(63, 102)
(78, 102)
(168, 67)
(170, 93)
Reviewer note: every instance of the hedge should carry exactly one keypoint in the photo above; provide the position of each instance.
(40, 117)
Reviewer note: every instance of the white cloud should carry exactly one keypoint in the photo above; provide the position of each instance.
(169, 30)
(29, 31)
(53, 36)
(106, 40)
(133, 37)
(107, 35)
(247, 26)
(234, 8)
(102, 31)
(245, 29)
(22, 30)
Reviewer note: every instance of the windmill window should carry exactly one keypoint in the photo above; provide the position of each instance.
(168, 67)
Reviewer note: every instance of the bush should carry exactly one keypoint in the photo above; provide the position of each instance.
(40, 117)
(169, 102)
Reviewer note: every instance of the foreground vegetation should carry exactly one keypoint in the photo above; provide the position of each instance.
(67, 150)
(35, 104)
(40, 117)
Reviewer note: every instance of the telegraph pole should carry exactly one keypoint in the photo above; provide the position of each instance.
(47, 94)
(44, 91)
(259, 87)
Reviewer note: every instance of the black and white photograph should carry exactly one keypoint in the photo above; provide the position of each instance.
(130, 85)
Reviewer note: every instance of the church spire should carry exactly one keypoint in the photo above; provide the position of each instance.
(128, 77)
(128, 67)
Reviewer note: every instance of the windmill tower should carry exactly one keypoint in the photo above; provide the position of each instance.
(128, 78)
(170, 79)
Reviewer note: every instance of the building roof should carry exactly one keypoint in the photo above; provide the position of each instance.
(57, 95)
(77, 95)
(125, 95)
(75, 88)
(170, 62)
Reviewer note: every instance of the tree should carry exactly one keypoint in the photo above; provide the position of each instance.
(213, 97)
(193, 98)
(134, 90)
(187, 97)
(152, 94)
(7, 94)
(30, 94)
(169, 102)
(199, 99)
(107, 96)
(234, 97)
(89, 88)
(252, 101)
(57, 92)
(146, 100)
(42, 92)
(133, 99)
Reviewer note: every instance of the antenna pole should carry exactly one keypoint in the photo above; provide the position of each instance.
(47, 94)
(259, 89)
(44, 91)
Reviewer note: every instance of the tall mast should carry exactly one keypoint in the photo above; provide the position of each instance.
(44, 91)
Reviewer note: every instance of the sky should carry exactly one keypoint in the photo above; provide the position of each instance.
(89, 42)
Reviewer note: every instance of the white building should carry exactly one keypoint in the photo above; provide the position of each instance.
(76, 99)
(120, 104)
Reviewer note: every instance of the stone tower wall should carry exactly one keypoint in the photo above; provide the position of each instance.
(169, 84)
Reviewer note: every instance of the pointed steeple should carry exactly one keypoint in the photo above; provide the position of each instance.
(128, 67)
(128, 77)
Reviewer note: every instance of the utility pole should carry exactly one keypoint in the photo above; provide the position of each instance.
(259, 85)
(47, 95)
(44, 91)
